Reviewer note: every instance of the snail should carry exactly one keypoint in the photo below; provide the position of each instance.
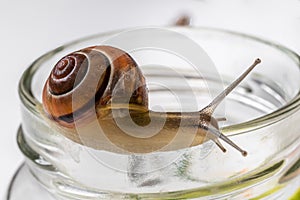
(183, 20)
(88, 87)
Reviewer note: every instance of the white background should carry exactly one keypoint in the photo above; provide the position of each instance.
(30, 28)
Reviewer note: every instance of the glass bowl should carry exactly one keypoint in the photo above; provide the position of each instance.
(261, 116)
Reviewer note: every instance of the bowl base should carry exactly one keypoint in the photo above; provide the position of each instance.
(24, 186)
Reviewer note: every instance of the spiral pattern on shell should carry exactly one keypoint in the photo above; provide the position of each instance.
(97, 74)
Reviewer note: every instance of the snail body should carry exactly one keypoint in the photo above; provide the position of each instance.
(102, 86)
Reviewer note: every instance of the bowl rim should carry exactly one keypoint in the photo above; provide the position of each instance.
(31, 103)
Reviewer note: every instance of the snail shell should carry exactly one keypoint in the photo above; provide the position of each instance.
(94, 73)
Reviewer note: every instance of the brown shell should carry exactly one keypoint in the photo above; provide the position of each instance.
(90, 79)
